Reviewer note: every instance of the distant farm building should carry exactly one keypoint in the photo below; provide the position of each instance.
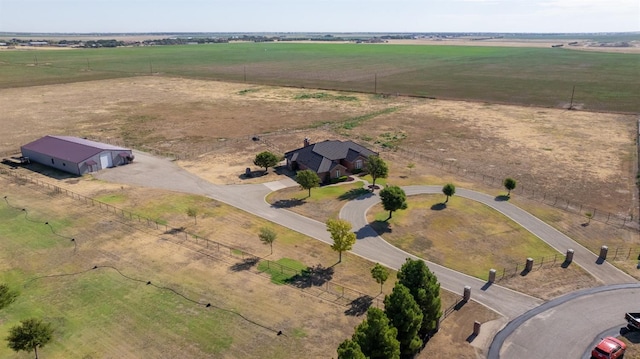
(75, 155)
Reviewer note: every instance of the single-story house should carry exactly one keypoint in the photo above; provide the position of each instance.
(329, 159)
(75, 155)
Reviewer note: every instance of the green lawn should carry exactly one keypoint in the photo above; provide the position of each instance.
(531, 76)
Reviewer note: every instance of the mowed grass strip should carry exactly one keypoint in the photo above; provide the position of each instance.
(464, 235)
(281, 270)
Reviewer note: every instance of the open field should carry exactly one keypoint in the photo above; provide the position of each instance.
(210, 124)
(528, 76)
(184, 278)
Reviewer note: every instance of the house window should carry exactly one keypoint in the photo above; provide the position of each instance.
(359, 164)
(337, 173)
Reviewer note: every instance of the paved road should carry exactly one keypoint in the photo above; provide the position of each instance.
(567, 326)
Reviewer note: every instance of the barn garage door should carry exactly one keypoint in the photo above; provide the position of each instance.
(105, 160)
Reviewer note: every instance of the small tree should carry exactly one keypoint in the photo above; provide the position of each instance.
(31, 334)
(510, 184)
(377, 337)
(266, 159)
(380, 274)
(308, 179)
(377, 168)
(393, 198)
(267, 236)
(449, 190)
(411, 166)
(192, 212)
(7, 296)
(349, 349)
(343, 238)
(589, 215)
(405, 315)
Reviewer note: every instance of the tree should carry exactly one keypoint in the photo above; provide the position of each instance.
(308, 179)
(349, 349)
(411, 166)
(425, 289)
(266, 159)
(192, 212)
(267, 236)
(510, 184)
(405, 315)
(31, 334)
(380, 274)
(377, 337)
(589, 215)
(449, 190)
(377, 168)
(393, 198)
(343, 238)
(7, 296)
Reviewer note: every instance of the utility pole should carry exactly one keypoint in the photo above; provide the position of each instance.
(375, 83)
(572, 92)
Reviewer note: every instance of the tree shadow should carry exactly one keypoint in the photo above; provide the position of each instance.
(585, 224)
(438, 206)
(288, 203)
(174, 231)
(381, 227)
(359, 306)
(245, 264)
(365, 232)
(502, 198)
(353, 194)
(253, 174)
(312, 276)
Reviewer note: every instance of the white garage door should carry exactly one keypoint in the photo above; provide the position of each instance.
(105, 160)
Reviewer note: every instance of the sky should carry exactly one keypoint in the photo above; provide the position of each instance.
(130, 16)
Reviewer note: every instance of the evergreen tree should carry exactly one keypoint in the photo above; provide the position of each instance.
(349, 349)
(377, 337)
(425, 289)
(405, 315)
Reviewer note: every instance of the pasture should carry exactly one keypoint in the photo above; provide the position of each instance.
(526, 76)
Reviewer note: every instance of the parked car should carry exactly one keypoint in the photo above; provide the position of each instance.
(633, 320)
(609, 348)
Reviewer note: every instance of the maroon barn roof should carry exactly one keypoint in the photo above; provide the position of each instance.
(72, 149)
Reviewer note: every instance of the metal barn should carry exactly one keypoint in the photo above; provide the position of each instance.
(75, 155)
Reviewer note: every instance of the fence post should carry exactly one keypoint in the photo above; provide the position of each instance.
(492, 275)
(467, 293)
(603, 252)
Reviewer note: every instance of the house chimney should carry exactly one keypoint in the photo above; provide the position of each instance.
(306, 142)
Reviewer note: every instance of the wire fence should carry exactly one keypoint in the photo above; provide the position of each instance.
(324, 289)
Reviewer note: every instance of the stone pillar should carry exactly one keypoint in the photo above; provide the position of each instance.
(492, 275)
(529, 266)
(476, 328)
(603, 252)
(569, 257)
(467, 293)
